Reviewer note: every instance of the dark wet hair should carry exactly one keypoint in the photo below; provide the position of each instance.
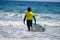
(28, 9)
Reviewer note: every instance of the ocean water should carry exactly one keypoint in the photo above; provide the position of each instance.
(12, 14)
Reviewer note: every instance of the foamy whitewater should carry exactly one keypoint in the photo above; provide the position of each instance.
(11, 21)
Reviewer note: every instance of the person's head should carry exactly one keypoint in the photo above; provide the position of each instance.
(28, 9)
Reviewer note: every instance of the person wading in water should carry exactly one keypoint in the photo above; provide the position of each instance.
(29, 16)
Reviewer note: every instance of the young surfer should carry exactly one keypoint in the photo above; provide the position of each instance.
(29, 15)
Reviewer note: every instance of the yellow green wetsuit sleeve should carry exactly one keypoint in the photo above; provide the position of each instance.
(29, 15)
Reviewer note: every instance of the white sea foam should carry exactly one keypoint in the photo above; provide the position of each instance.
(10, 14)
(15, 19)
(20, 23)
(10, 23)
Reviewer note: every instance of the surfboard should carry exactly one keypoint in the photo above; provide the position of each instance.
(38, 27)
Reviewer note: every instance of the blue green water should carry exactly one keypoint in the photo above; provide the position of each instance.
(37, 7)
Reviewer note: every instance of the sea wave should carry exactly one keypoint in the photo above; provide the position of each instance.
(19, 15)
(48, 16)
(11, 23)
(20, 23)
(10, 14)
(14, 18)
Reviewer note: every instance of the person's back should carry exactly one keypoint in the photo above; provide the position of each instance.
(29, 15)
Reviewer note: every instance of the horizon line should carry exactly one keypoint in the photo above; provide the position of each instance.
(31, 1)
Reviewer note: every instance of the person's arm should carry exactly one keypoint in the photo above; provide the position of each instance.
(34, 19)
(24, 19)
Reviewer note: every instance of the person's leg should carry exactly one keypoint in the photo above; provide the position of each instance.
(28, 25)
(28, 28)
(31, 25)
